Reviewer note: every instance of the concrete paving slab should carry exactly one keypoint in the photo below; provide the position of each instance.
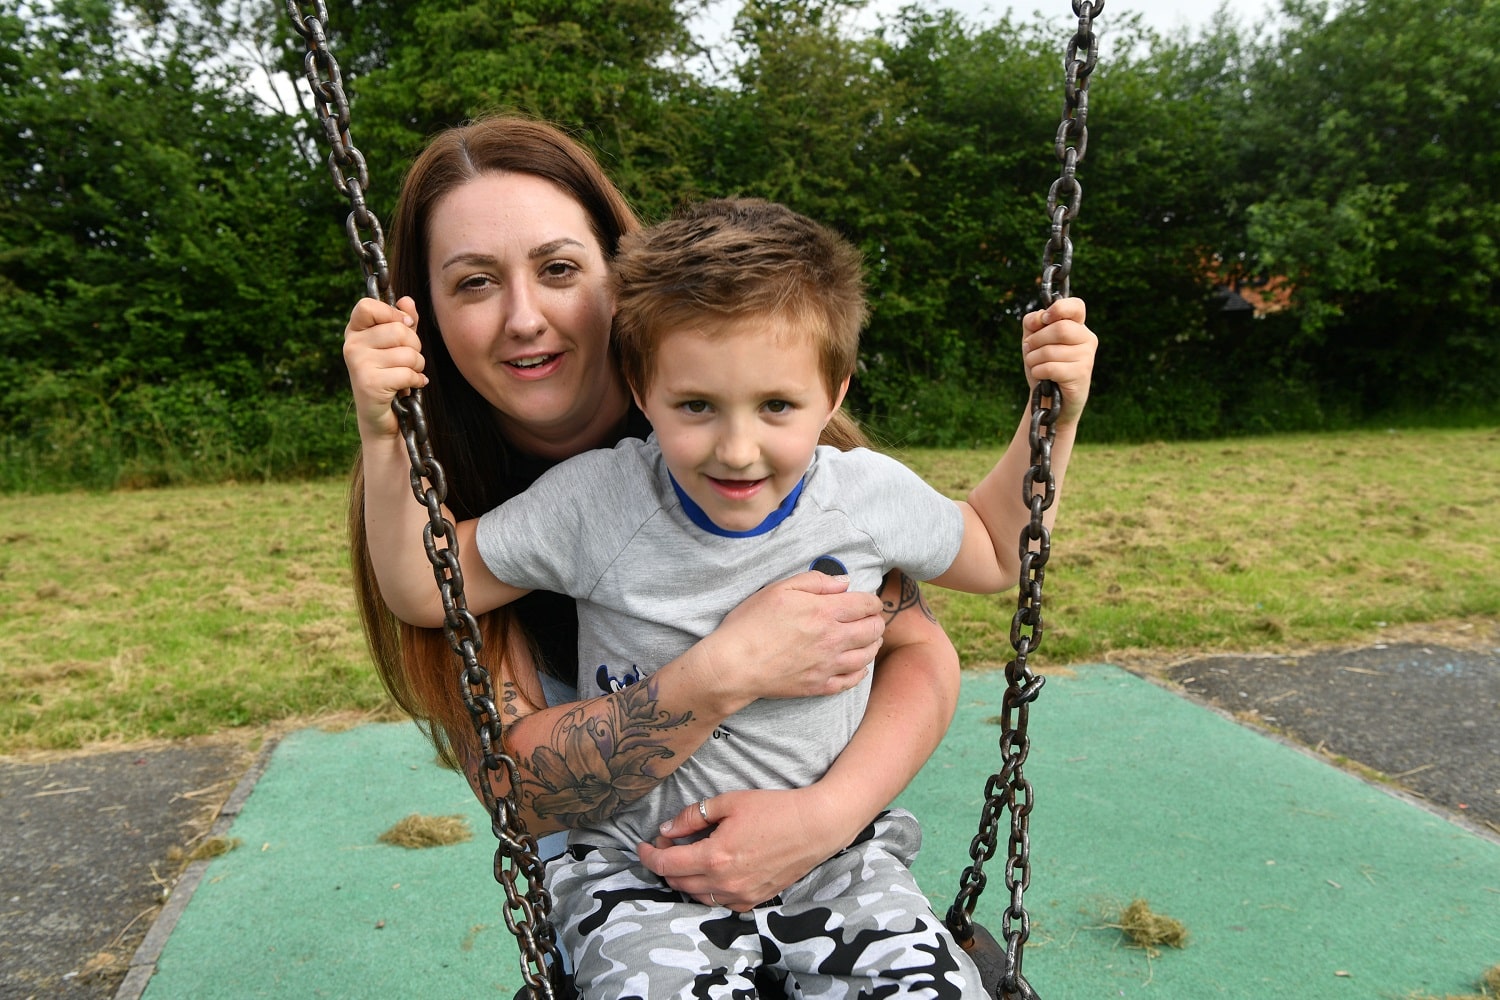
(1294, 879)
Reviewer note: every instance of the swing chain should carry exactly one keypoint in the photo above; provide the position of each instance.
(533, 927)
(1071, 145)
(1008, 790)
(345, 162)
(528, 912)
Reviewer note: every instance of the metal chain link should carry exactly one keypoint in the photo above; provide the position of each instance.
(1008, 791)
(528, 912)
(1071, 146)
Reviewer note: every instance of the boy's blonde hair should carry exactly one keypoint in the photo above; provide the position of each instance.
(733, 258)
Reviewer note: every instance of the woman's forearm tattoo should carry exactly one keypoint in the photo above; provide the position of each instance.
(601, 758)
(907, 595)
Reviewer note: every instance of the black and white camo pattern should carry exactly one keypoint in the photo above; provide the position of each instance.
(856, 927)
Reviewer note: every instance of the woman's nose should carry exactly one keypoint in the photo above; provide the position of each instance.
(523, 313)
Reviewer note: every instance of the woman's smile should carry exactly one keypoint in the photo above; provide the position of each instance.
(536, 366)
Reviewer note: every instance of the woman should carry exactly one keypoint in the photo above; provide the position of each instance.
(502, 239)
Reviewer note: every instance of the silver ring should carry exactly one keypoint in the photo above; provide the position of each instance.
(703, 811)
(712, 900)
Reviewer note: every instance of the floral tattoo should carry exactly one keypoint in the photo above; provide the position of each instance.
(600, 761)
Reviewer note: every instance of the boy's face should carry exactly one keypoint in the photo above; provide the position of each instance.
(738, 414)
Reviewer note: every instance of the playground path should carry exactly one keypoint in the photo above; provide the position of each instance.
(1285, 869)
(87, 846)
(1421, 718)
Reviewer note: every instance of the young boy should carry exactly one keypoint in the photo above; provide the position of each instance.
(737, 329)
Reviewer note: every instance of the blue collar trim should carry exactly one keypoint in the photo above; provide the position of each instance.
(699, 518)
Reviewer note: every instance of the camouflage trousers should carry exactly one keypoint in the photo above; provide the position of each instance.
(856, 927)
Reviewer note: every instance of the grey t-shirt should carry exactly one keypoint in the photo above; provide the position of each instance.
(653, 576)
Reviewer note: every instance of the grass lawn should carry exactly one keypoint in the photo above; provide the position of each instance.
(170, 613)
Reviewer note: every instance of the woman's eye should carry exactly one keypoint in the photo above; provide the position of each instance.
(473, 282)
(560, 269)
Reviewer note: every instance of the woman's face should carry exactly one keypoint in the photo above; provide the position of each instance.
(521, 292)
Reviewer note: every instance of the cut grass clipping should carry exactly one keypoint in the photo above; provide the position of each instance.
(1148, 930)
(418, 831)
(1489, 986)
(214, 847)
(204, 850)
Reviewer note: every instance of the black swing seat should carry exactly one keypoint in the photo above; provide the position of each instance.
(988, 955)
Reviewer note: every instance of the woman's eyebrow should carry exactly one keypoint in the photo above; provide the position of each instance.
(481, 259)
(553, 246)
(471, 257)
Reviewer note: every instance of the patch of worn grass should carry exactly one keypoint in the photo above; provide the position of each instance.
(177, 612)
(170, 613)
(1258, 544)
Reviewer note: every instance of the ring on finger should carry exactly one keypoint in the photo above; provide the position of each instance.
(703, 810)
(712, 900)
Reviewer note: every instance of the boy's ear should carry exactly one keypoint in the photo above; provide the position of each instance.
(838, 400)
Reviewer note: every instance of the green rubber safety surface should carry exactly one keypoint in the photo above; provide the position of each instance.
(1293, 879)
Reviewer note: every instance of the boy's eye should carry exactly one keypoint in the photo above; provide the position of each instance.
(778, 406)
(695, 406)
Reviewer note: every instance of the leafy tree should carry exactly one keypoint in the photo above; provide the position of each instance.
(173, 260)
(1371, 181)
(959, 256)
(960, 226)
(152, 234)
(1159, 234)
(595, 65)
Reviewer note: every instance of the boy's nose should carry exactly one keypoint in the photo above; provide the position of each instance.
(736, 449)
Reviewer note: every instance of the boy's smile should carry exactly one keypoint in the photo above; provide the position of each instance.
(736, 490)
(737, 409)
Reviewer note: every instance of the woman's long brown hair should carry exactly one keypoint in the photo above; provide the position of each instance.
(416, 665)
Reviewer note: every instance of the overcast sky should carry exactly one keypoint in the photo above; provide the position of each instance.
(1160, 14)
(1163, 15)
